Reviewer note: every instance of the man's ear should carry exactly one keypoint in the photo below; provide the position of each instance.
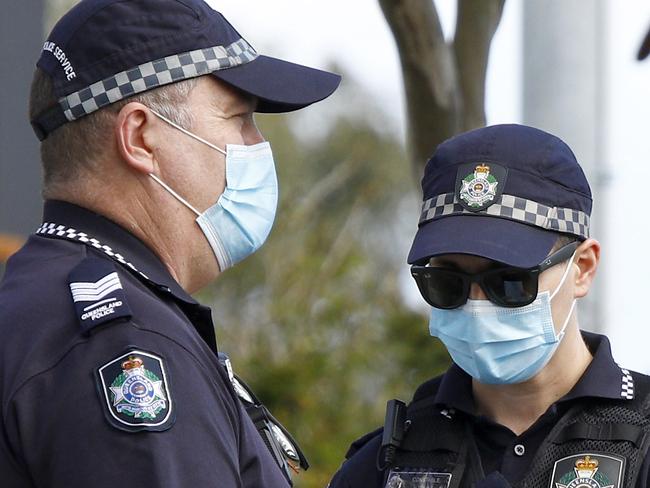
(587, 258)
(133, 134)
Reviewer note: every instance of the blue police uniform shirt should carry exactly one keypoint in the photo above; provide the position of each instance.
(108, 370)
(499, 448)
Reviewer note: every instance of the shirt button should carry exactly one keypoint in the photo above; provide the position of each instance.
(520, 450)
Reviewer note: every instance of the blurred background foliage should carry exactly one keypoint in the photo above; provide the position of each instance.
(315, 322)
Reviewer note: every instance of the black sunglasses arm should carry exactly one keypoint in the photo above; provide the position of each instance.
(558, 256)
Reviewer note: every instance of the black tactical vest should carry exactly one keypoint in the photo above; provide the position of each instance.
(437, 449)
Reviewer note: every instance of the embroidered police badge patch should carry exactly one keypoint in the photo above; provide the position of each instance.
(415, 478)
(588, 470)
(135, 392)
(479, 185)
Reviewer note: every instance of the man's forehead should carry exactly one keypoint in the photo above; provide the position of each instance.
(224, 98)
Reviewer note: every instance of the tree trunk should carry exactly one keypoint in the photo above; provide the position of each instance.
(444, 82)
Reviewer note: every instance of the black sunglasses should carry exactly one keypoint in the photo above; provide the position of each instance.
(506, 286)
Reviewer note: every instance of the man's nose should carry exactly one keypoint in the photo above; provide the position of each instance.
(476, 292)
(251, 134)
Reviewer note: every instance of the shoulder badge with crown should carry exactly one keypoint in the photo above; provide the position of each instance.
(135, 391)
(588, 471)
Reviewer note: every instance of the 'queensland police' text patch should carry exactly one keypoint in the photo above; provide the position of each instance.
(134, 388)
(97, 293)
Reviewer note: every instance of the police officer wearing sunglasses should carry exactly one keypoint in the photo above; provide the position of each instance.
(502, 255)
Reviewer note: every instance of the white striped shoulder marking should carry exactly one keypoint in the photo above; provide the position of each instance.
(93, 291)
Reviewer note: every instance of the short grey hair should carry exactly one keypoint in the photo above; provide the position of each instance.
(71, 150)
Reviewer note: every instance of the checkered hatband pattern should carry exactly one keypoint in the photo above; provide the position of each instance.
(154, 74)
(514, 208)
(68, 233)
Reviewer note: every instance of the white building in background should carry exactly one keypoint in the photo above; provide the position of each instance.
(564, 92)
(577, 75)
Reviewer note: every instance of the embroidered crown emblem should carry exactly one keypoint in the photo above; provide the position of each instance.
(483, 170)
(132, 363)
(586, 463)
(586, 468)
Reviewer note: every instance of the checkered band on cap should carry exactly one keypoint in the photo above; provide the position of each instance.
(50, 229)
(154, 74)
(514, 208)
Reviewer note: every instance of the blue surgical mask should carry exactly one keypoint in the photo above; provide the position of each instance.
(240, 221)
(499, 345)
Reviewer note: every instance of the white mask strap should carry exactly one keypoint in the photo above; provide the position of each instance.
(566, 321)
(174, 194)
(566, 273)
(185, 131)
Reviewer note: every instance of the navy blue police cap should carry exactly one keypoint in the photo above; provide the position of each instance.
(103, 51)
(502, 192)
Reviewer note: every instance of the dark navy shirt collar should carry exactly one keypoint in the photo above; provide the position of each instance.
(119, 240)
(603, 378)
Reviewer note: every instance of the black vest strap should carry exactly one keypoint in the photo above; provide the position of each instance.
(604, 432)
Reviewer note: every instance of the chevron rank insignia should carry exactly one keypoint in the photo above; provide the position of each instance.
(97, 293)
(134, 388)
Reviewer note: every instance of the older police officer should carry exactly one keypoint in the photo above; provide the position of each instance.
(156, 180)
(502, 255)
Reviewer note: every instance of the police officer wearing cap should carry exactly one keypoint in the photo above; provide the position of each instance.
(502, 255)
(156, 180)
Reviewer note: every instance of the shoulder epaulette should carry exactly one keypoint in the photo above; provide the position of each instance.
(97, 293)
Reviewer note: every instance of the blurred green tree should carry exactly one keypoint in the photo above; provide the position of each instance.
(315, 321)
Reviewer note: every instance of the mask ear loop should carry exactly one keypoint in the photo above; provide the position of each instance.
(566, 273)
(560, 335)
(174, 194)
(194, 136)
(566, 321)
(185, 131)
